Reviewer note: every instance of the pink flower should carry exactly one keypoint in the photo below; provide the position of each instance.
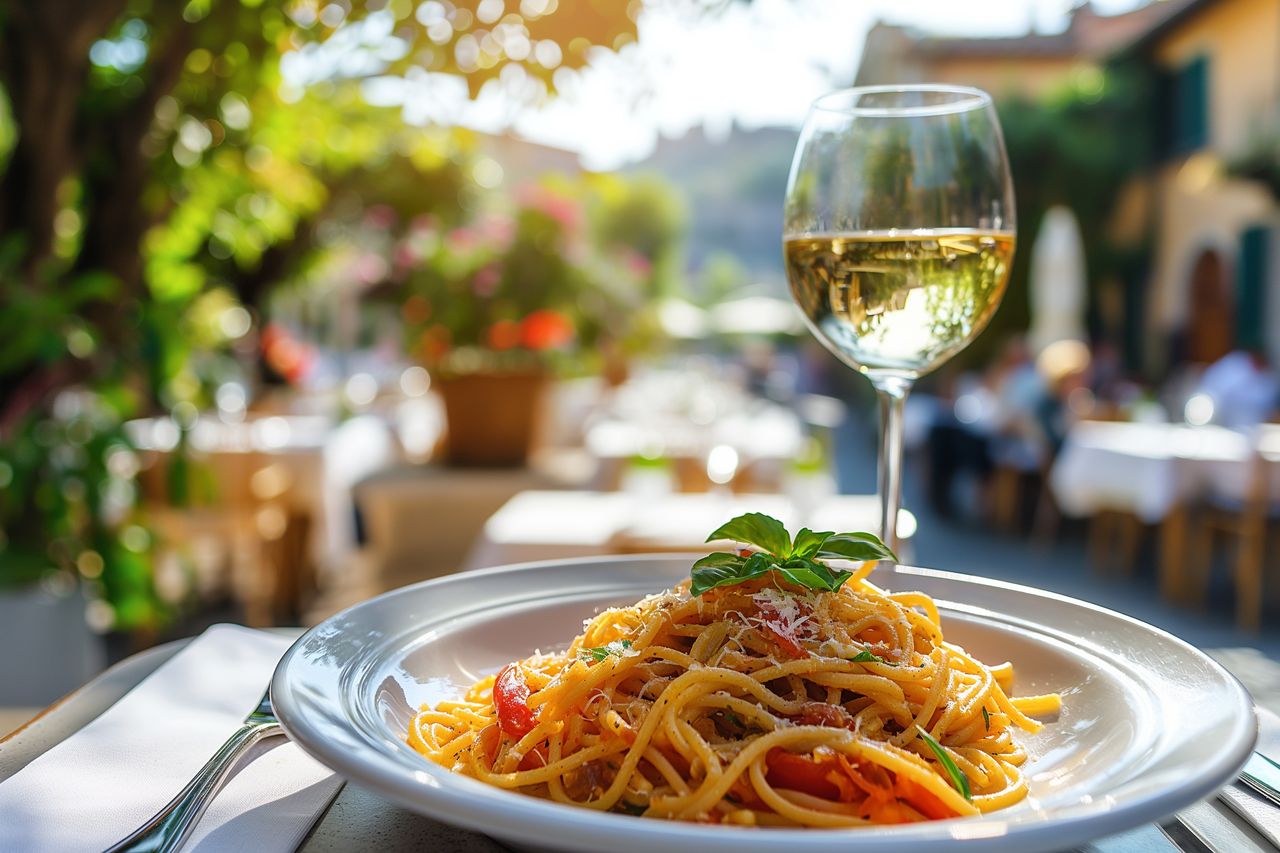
(561, 208)
(485, 282)
(496, 228)
(639, 265)
(380, 216)
(406, 255)
(460, 239)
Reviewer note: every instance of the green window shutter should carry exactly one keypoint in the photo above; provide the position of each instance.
(1191, 106)
(1251, 287)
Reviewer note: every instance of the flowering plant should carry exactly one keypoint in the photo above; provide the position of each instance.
(507, 292)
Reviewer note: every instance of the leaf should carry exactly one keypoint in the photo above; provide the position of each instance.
(756, 528)
(596, 654)
(721, 569)
(868, 656)
(958, 779)
(827, 579)
(986, 719)
(808, 542)
(862, 547)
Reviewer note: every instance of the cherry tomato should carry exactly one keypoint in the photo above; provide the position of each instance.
(511, 699)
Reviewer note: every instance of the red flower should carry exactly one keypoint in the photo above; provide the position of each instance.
(545, 329)
(416, 309)
(504, 334)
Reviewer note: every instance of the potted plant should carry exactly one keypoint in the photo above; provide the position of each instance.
(494, 308)
(74, 559)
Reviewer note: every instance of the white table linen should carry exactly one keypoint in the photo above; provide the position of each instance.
(544, 525)
(1146, 469)
(96, 787)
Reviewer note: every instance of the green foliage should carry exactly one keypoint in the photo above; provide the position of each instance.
(1066, 149)
(196, 165)
(799, 562)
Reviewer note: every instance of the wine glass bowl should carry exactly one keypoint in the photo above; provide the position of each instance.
(899, 232)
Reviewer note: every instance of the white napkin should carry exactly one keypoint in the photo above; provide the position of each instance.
(104, 781)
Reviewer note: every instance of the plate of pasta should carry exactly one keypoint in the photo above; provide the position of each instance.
(784, 692)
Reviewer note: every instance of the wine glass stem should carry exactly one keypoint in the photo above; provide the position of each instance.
(892, 391)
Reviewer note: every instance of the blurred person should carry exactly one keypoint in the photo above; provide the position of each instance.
(958, 439)
(1243, 387)
(1066, 370)
(1019, 389)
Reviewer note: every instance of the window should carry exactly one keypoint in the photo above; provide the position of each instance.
(1251, 284)
(1190, 107)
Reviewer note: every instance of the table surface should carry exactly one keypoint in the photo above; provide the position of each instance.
(359, 819)
(540, 525)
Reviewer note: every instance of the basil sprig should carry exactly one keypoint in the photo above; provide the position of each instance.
(958, 779)
(799, 561)
(868, 656)
(595, 654)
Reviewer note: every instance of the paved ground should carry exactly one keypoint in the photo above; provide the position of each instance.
(968, 546)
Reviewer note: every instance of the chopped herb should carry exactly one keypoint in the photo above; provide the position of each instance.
(986, 719)
(630, 808)
(733, 718)
(799, 561)
(958, 779)
(599, 653)
(868, 656)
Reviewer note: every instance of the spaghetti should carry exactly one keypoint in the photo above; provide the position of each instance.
(761, 702)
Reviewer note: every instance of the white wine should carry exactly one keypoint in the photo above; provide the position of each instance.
(899, 302)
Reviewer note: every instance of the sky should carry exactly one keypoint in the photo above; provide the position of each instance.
(757, 64)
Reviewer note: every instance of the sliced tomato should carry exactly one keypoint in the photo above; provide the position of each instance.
(824, 714)
(798, 773)
(923, 801)
(782, 634)
(511, 700)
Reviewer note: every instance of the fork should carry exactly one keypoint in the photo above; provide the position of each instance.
(166, 831)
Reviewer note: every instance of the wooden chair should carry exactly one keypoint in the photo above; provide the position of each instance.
(1245, 521)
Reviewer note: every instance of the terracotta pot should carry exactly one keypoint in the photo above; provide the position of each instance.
(491, 417)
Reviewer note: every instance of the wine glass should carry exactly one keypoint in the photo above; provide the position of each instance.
(898, 235)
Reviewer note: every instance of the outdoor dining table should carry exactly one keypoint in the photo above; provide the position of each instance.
(545, 525)
(358, 819)
(1154, 472)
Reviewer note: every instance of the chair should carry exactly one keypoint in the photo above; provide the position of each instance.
(1245, 518)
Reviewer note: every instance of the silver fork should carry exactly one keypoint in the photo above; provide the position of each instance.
(169, 828)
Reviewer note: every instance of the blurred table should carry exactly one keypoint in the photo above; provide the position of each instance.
(544, 525)
(1145, 469)
(420, 520)
(271, 495)
(685, 416)
(1154, 471)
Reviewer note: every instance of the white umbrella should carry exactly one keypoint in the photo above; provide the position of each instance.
(681, 319)
(1058, 285)
(757, 315)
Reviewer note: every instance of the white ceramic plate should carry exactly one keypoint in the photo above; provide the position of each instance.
(1149, 724)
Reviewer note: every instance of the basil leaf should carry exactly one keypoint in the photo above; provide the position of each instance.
(756, 528)
(856, 546)
(812, 574)
(808, 542)
(958, 779)
(596, 654)
(720, 559)
(868, 656)
(986, 719)
(721, 569)
(804, 576)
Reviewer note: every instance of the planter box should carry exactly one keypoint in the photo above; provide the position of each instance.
(46, 648)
